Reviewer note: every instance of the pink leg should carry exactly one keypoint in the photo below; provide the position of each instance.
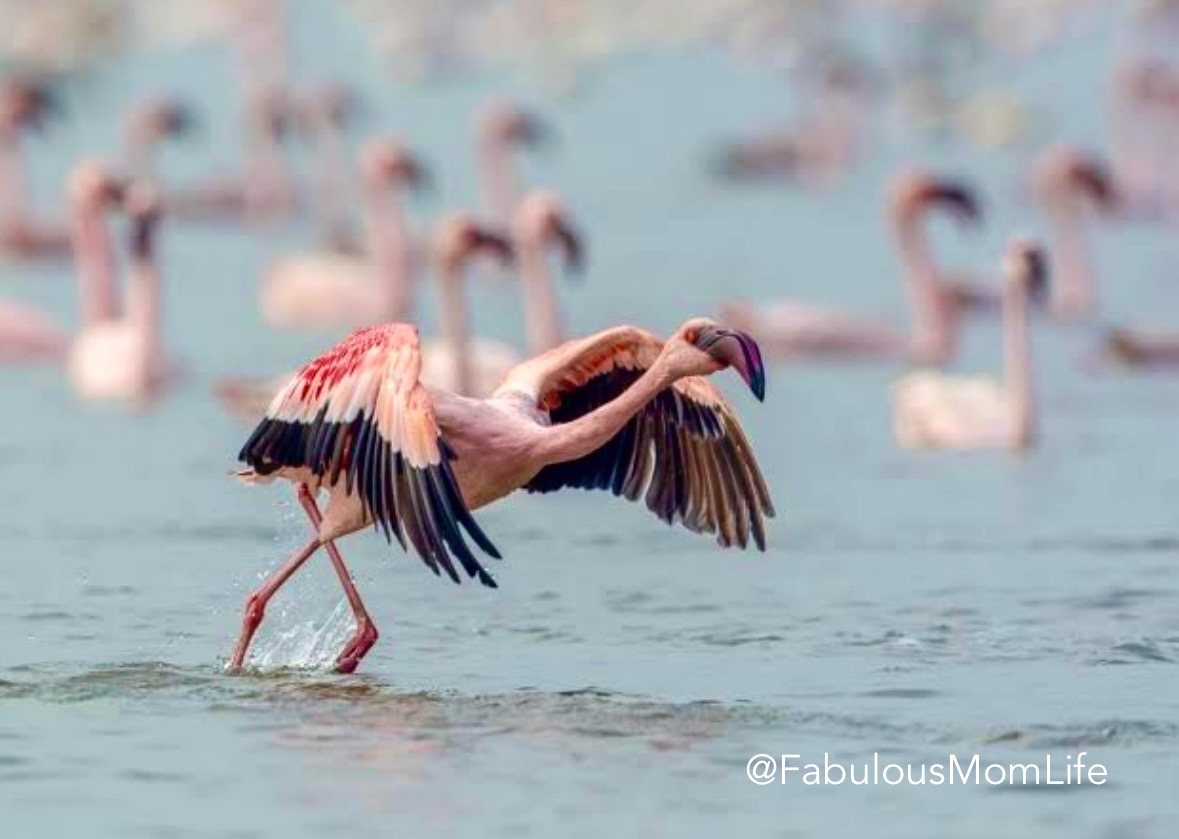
(366, 632)
(256, 605)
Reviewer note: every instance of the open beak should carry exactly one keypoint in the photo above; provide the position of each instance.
(572, 246)
(738, 350)
(959, 199)
(496, 245)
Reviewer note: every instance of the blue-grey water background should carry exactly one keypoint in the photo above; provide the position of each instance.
(915, 605)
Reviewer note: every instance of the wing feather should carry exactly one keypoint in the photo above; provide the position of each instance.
(684, 454)
(358, 415)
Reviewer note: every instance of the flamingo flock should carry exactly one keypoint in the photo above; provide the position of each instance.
(410, 427)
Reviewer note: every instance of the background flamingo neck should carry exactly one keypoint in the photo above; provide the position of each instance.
(95, 263)
(144, 310)
(541, 313)
(452, 317)
(13, 195)
(1073, 265)
(586, 434)
(933, 334)
(388, 244)
(1018, 364)
(499, 181)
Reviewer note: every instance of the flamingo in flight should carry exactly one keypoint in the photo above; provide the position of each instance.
(934, 410)
(791, 329)
(621, 410)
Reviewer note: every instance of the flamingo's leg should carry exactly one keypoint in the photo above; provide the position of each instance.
(256, 605)
(366, 631)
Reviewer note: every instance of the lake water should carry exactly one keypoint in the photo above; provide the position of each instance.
(910, 605)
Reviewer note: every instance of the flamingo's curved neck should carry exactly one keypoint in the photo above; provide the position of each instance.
(541, 312)
(144, 306)
(500, 184)
(452, 317)
(1073, 284)
(332, 181)
(388, 244)
(1018, 363)
(13, 195)
(933, 328)
(94, 258)
(570, 441)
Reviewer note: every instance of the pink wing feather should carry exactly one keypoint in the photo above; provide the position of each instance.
(359, 414)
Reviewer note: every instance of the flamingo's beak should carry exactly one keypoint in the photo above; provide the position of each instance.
(535, 132)
(572, 245)
(114, 191)
(960, 199)
(182, 121)
(1037, 274)
(738, 350)
(418, 176)
(1095, 178)
(495, 244)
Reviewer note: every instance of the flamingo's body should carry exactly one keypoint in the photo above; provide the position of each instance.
(28, 335)
(935, 410)
(620, 410)
(793, 329)
(331, 290)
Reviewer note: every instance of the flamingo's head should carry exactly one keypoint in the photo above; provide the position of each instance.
(1065, 173)
(459, 237)
(143, 206)
(507, 124)
(702, 346)
(27, 103)
(542, 217)
(386, 162)
(335, 103)
(93, 185)
(915, 192)
(1025, 265)
(271, 113)
(160, 117)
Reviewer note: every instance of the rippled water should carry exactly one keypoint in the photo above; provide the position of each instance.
(623, 674)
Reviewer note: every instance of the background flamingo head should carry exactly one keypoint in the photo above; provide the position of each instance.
(507, 125)
(1025, 263)
(143, 206)
(543, 218)
(27, 103)
(93, 185)
(385, 162)
(334, 104)
(161, 117)
(916, 192)
(459, 237)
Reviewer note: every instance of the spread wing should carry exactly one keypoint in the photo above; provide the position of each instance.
(358, 414)
(685, 453)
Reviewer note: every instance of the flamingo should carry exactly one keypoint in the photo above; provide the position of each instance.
(502, 128)
(330, 289)
(122, 358)
(934, 410)
(28, 335)
(264, 191)
(1069, 183)
(147, 124)
(24, 104)
(325, 114)
(792, 329)
(621, 410)
(542, 220)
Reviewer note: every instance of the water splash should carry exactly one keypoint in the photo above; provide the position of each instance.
(308, 645)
